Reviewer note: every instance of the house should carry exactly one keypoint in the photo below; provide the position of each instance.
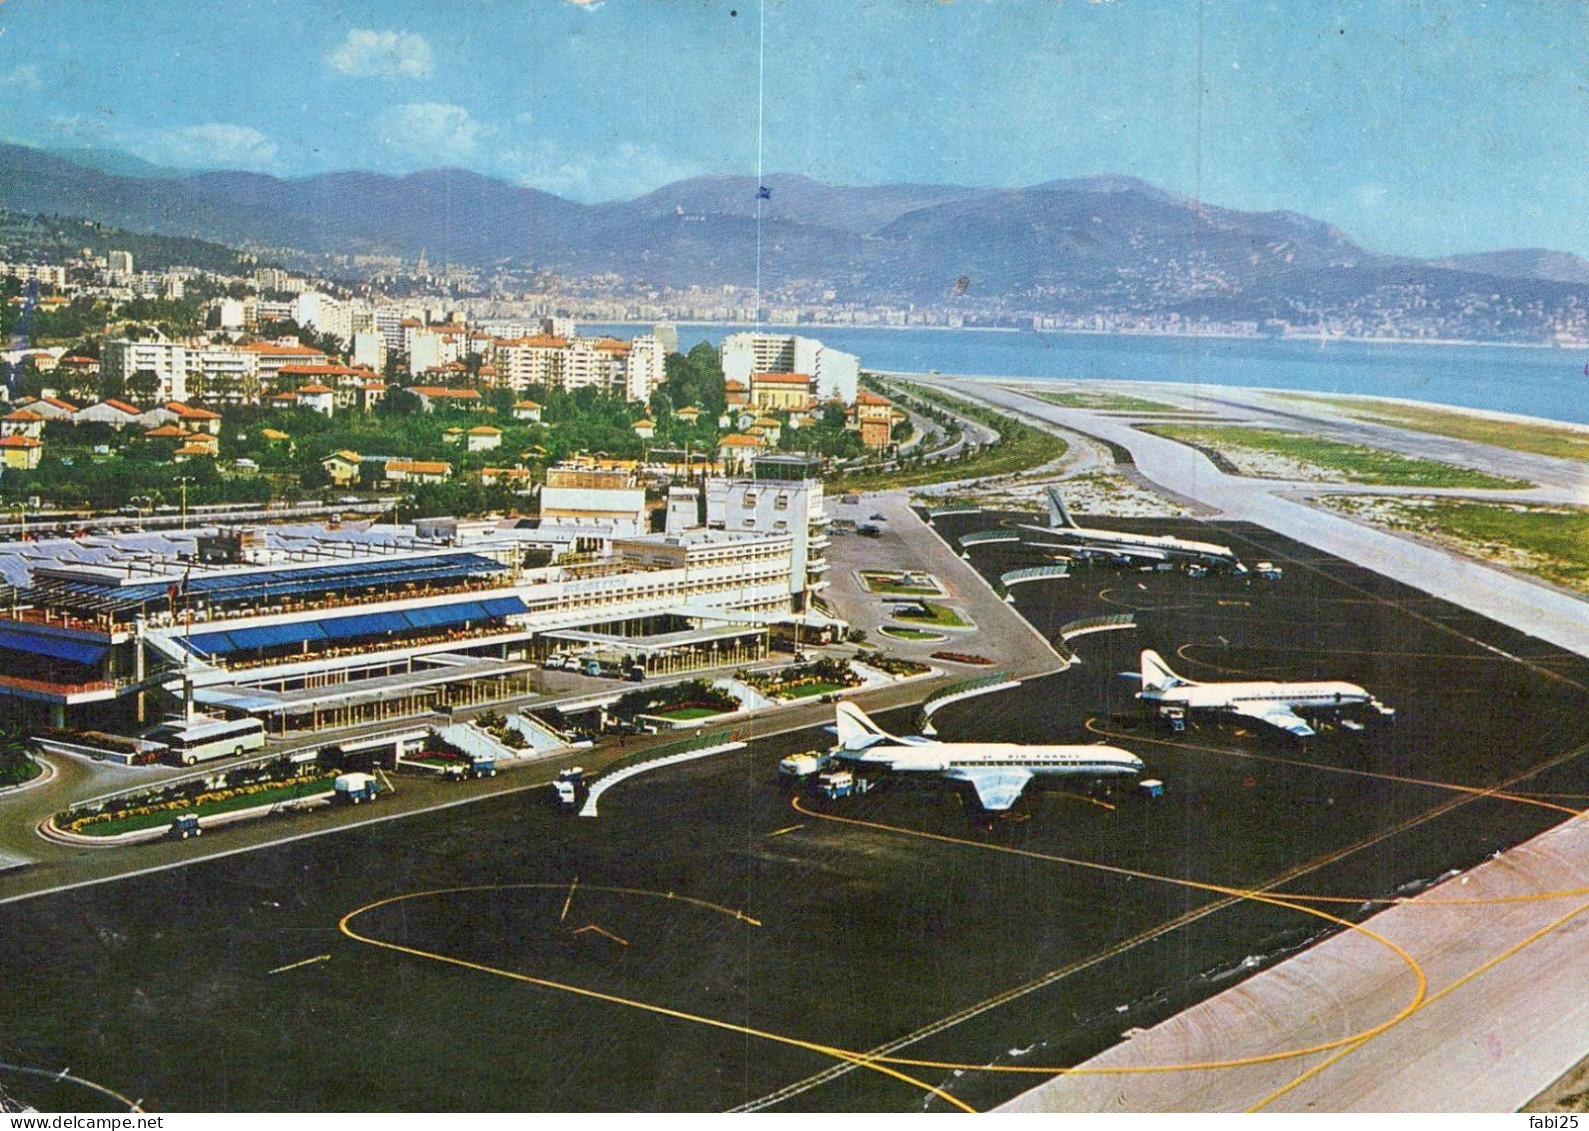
(50, 408)
(417, 471)
(117, 414)
(737, 452)
(527, 410)
(453, 435)
(645, 429)
(432, 397)
(342, 466)
(320, 398)
(193, 451)
(195, 419)
(782, 392)
(20, 453)
(484, 438)
(767, 427)
(516, 477)
(22, 422)
(371, 393)
(873, 416)
(689, 414)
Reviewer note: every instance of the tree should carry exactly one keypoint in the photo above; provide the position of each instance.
(143, 385)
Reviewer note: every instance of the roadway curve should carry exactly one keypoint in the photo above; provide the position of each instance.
(1550, 614)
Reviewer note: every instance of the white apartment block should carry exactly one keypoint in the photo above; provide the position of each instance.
(837, 373)
(41, 272)
(166, 360)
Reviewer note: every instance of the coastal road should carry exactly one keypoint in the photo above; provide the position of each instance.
(1539, 610)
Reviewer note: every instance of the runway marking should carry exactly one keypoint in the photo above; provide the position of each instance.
(569, 902)
(65, 1074)
(1043, 981)
(1482, 968)
(860, 1060)
(1199, 885)
(1496, 791)
(601, 931)
(786, 829)
(296, 965)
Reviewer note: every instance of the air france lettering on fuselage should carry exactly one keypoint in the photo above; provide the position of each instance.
(1111, 543)
(1263, 700)
(998, 771)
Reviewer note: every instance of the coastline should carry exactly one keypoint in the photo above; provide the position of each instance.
(814, 328)
(1172, 388)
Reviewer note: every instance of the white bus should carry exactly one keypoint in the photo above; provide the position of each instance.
(197, 740)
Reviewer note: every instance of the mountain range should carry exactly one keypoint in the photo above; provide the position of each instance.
(1111, 245)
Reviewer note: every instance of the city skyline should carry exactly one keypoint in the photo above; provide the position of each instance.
(1415, 131)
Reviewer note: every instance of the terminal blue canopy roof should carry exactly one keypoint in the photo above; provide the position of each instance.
(270, 584)
(53, 647)
(358, 627)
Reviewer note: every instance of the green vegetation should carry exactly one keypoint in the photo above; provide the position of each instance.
(886, 581)
(801, 680)
(1551, 543)
(1020, 447)
(54, 239)
(1103, 402)
(692, 699)
(160, 814)
(1517, 436)
(893, 665)
(913, 634)
(927, 613)
(1354, 463)
(17, 764)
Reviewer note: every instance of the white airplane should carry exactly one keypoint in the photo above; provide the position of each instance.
(998, 771)
(1146, 547)
(1266, 701)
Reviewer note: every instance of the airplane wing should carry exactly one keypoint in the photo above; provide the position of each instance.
(1101, 549)
(1276, 715)
(996, 789)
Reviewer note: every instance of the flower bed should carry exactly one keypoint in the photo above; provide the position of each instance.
(895, 666)
(915, 635)
(962, 658)
(204, 804)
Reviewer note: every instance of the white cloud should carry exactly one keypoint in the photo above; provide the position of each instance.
(209, 146)
(383, 54)
(436, 132)
(22, 77)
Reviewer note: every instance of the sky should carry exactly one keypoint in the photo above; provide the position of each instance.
(1420, 128)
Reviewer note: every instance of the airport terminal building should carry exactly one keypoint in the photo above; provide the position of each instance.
(307, 626)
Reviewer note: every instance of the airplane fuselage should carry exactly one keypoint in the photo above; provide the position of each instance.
(1215, 696)
(940, 757)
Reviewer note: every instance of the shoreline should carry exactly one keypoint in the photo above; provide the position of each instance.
(813, 328)
(1172, 387)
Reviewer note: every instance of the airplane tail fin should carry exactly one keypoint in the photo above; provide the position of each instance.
(856, 730)
(1058, 514)
(1156, 674)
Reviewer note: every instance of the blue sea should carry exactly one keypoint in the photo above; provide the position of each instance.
(1549, 383)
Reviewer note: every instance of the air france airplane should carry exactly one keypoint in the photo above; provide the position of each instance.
(1145, 547)
(1263, 700)
(998, 771)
